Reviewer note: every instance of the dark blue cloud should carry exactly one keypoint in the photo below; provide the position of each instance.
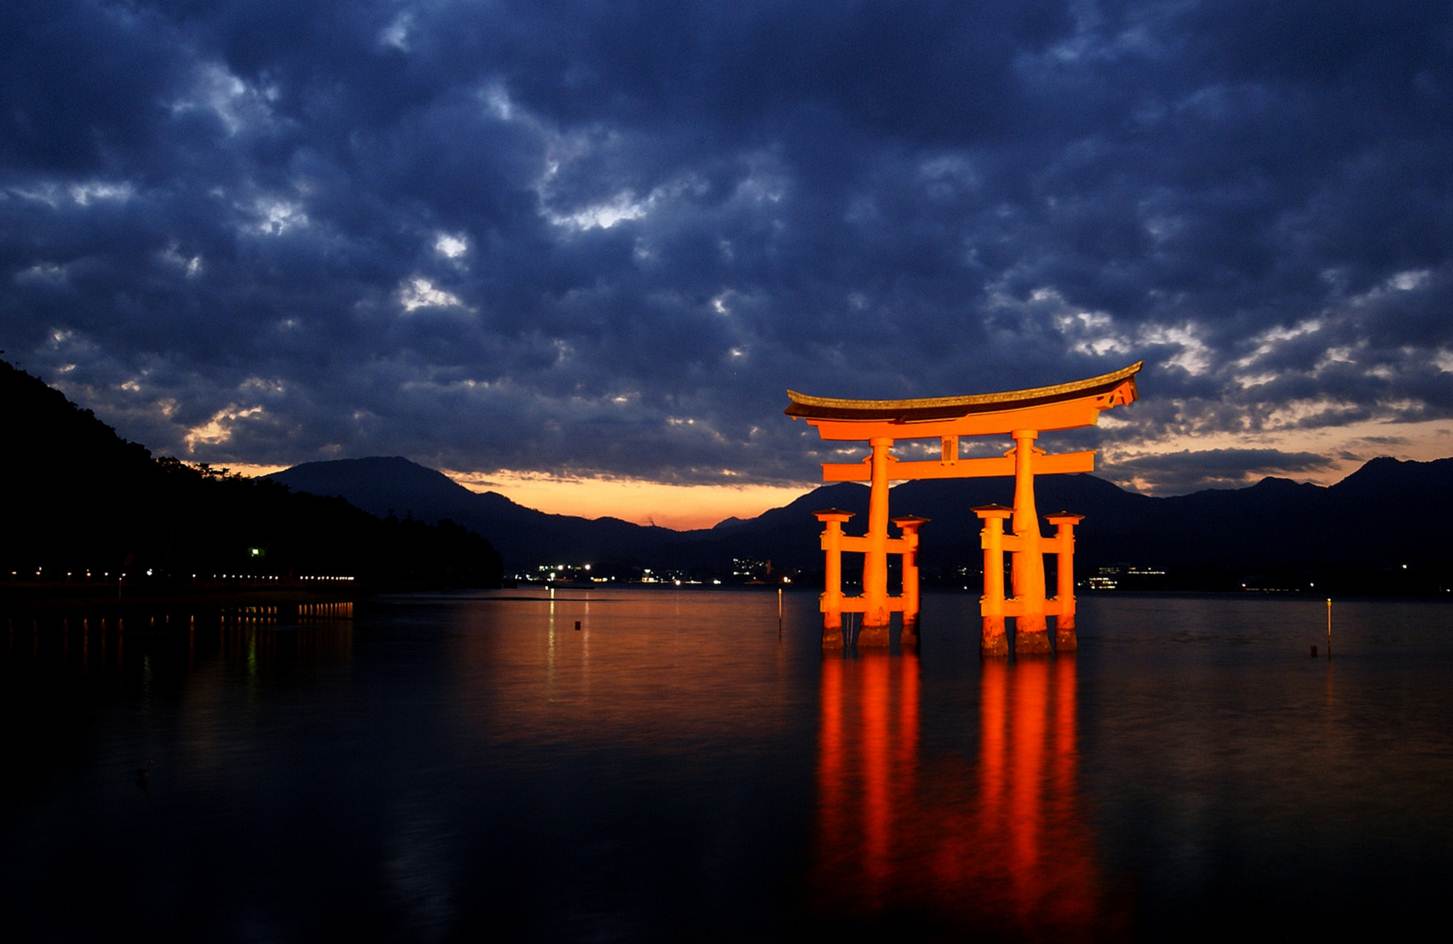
(1188, 470)
(603, 237)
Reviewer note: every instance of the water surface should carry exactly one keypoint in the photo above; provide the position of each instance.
(684, 766)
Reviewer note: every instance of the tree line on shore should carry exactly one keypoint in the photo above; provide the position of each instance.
(79, 497)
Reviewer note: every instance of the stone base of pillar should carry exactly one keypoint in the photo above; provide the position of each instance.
(909, 636)
(1031, 644)
(832, 637)
(1065, 638)
(873, 637)
(994, 641)
(1031, 636)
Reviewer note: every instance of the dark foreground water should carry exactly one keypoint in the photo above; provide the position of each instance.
(474, 768)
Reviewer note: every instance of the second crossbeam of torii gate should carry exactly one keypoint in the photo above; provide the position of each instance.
(1019, 414)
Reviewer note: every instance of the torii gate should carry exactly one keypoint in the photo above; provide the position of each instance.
(1021, 414)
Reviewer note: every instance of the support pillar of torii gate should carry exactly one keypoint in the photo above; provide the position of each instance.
(1020, 414)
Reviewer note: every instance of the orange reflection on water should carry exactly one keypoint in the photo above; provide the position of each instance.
(997, 844)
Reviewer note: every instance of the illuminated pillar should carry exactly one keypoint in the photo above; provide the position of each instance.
(875, 561)
(831, 603)
(909, 526)
(991, 604)
(1064, 626)
(1031, 633)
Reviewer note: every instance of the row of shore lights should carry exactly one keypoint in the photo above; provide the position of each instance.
(122, 576)
(554, 571)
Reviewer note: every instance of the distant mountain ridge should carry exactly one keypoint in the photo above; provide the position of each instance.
(1275, 527)
(525, 537)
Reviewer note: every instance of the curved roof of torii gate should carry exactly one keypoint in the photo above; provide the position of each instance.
(933, 408)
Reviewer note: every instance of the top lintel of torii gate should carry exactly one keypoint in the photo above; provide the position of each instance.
(1059, 406)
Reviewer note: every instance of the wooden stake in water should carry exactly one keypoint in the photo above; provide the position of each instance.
(1329, 627)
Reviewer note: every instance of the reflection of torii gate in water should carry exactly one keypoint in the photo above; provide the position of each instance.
(1021, 414)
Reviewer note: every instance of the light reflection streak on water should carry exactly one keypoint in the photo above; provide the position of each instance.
(999, 843)
(1026, 791)
(636, 676)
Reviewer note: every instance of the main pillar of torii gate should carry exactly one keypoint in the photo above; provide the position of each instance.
(1020, 414)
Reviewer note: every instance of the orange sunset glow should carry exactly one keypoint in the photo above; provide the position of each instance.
(683, 507)
(679, 507)
(666, 505)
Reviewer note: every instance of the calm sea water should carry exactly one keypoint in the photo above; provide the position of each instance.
(682, 768)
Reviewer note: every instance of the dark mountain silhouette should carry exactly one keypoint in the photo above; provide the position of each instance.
(1273, 533)
(1356, 534)
(525, 537)
(80, 497)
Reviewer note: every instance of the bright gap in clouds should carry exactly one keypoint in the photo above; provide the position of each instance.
(249, 469)
(450, 246)
(1346, 447)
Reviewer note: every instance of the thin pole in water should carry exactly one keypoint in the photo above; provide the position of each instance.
(1329, 627)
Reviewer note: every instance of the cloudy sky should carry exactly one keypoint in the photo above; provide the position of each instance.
(594, 242)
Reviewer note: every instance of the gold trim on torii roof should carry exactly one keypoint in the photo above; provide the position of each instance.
(806, 405)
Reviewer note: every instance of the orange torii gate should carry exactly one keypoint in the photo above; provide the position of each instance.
(1020, 414)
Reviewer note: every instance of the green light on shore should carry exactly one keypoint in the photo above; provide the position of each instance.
(254, 552)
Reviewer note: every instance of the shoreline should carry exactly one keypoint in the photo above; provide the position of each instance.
(58, 597)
